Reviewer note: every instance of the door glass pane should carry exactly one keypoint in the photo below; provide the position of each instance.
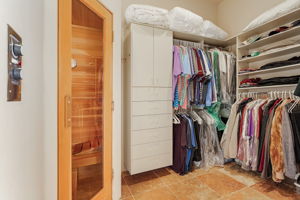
(87, 125)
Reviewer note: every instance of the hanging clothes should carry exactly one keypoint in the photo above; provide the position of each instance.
(262, 135)
(202, 78)
(202, 89)
(195, 142)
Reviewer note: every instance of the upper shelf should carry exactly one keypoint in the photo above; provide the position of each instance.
(271, 39)
(286, 51)
(279, 21)
(197, 38)
(275, 69)
(269, 87)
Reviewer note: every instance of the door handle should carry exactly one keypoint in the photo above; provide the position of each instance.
(68, 111)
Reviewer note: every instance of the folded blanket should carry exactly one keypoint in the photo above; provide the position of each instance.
(145, 14)
(183, 20)
(210, 30)
(279, 10)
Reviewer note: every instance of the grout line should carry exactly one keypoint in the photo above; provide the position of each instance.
(127, 188)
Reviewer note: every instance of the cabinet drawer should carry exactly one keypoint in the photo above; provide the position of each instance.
(151, 94)
(151, 121)
(151, 135)
(150, 163)
(151, 107)
(151, 149)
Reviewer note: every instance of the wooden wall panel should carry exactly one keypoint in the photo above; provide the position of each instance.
(84, 17)
(87, 87)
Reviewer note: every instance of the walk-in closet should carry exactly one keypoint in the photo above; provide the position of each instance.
(208, 115)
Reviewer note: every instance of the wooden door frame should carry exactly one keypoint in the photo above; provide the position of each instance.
(64, 92)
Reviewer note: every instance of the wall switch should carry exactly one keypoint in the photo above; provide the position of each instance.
(14, 65)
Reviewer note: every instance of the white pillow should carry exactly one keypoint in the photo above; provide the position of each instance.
(145, 14)
(210, 30)
(279, 10)
(183, 20)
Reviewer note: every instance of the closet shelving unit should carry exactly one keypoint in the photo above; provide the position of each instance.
(149, 88)
(196, 38)
(276, 55)
(148, 85)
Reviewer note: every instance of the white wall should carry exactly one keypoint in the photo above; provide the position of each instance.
(50, 99)
(115, 7)
(234, 15)
(50, 93)
(21, 123)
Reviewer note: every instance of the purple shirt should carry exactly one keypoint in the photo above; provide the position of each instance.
(177, 68)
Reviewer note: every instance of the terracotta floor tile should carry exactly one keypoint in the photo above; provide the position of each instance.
(128, 198)
(125, 173)
(193, 189)
(221, 183)
(246, 194)
(277, 191)
(125, 189)
(167, 176)
(199, 172)
(237, 173)
(162, 193)
(142, 182)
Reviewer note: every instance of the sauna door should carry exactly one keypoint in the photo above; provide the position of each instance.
(85, 100)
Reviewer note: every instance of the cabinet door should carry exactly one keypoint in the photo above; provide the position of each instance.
(163, 53)
(142, 55)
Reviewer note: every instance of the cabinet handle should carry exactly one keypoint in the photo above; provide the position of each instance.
(68, 111)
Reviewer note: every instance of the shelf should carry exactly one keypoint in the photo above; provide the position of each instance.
(267, 87)
(271, 39)
(277, 22)
(286, 51)
(197, 38)
(288, 67)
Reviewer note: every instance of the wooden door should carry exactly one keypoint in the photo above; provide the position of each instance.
(84, 100)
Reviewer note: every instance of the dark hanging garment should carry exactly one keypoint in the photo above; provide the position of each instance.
(297, 91)
(179, 145)
(295, 121)
(262, 131)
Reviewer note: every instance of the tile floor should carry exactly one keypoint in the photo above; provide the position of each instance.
(228, 183)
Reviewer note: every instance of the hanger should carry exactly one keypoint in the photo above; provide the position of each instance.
(294, 106)
(175, 119)
(297, 100)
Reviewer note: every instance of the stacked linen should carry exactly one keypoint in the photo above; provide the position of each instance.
(279, 10)
(183, 20)
(210, 30)
(178, 19)
(147, 15)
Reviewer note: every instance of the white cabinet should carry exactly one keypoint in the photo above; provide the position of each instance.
(163, 44)
(142, 64)
(148, 99)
